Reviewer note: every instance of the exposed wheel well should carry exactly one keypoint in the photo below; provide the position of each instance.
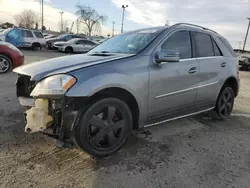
(233, 83)
(123, 95)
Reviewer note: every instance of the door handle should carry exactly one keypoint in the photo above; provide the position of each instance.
(192, 70)
(223, 64)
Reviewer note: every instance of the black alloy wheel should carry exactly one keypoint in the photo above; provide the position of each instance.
(104, 127)
(224, 105)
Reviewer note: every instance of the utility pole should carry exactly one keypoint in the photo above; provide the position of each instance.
(246, 35)
(61, 21)
(167, 23)
(113, 31)
(42, 16)
(123, 10)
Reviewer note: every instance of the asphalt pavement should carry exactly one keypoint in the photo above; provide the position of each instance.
(190, 152)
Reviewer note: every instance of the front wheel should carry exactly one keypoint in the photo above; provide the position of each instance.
(224, 104)
(5, 64)
(69, 50)
(104, 127)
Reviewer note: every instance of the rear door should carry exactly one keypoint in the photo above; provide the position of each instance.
(211, 66)
(28, 38)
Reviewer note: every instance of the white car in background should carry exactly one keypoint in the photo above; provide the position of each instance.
(77, 45)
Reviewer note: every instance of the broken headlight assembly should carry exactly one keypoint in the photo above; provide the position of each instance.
(55, 85)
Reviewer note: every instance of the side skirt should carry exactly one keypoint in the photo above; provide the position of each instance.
(178, 117)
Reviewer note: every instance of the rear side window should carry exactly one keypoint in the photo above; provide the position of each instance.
(27, 34)
(217, 51)
(203, 45)
(38, 34)
(179, 42)
(228, 46)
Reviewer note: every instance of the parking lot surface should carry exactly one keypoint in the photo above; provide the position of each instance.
(190, 152)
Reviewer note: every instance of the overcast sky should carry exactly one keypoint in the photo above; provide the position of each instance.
(228, 17)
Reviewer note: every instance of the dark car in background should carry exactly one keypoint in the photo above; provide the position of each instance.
(244, 62)
(63, 38)
(10, 57)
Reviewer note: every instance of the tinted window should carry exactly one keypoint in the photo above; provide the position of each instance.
(217, 51)
(180, 42)
(86, 42)
(27, 34)
(80, 42)
(203, 45)
(67, 37)
(228, 46)
(38, 34)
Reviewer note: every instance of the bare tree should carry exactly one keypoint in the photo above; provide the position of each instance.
(90, 18)
(26, 19)
(63, 27)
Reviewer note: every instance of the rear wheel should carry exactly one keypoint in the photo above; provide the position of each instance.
(5, 64)
(224, 104)
(36, 47)
(69, 50)
(104, 127)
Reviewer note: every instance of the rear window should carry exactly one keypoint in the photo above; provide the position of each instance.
(38, 34)
(228, 46)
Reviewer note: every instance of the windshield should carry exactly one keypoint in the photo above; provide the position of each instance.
(131, 42)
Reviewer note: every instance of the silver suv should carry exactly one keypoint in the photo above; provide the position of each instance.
(133, 80)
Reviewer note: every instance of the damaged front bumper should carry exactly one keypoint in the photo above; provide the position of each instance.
(54, 117)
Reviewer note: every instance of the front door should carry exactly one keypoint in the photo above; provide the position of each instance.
(173, 85)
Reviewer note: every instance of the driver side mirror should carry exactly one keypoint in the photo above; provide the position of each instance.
(77, 42)
(167, 56)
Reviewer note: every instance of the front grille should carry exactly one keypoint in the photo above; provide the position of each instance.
(24, 86)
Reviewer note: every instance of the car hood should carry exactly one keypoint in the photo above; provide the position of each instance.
(41, 69)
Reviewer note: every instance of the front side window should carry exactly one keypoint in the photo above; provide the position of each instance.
(203, 45)
(86, 42)
(180, 42)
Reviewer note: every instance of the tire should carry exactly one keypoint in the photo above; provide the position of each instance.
(224, 104)
(104, 127)
(35, 47)
(5, 64)
(69, 50)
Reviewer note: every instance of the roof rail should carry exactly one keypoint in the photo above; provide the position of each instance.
(204, 28)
